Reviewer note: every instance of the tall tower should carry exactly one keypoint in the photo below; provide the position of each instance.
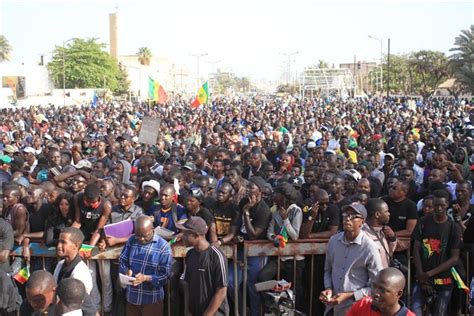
(113, 35)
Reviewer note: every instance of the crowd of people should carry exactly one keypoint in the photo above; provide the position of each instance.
(373, 176)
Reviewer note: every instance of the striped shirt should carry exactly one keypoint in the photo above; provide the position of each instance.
(205, 273)
(154, 259)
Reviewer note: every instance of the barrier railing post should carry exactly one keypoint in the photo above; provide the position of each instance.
(409, 276)
(236, 280)
(244, 290)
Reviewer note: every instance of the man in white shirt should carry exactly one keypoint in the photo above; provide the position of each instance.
(72, 266)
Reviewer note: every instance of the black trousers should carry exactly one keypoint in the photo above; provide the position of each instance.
(270, 272)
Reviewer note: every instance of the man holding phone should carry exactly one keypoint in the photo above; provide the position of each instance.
(352, 262)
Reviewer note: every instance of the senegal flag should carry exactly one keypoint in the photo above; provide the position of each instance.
(156, 92)
(201, 97)
(23, 275)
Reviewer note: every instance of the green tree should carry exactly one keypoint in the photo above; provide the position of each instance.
(400, 80)
(5, 49)
(427, 70)
(83, 63)
(122, 78)
(144, 56)
(462, 60)
(322, 64)
(288, 88)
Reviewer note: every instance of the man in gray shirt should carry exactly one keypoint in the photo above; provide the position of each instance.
(352, 262)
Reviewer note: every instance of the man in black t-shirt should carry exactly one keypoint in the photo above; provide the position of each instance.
(224, 210)
(403, 216)
(205, 272)
(320, 220)
(436, 251)
(251, 224)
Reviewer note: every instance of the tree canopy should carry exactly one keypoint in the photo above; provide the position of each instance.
(144, 56)
(5, 49)
(85, 64)
(462, 60)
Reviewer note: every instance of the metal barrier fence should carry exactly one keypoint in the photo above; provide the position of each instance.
(259, 248)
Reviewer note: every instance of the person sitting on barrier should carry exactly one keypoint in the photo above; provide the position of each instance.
(206, 269)
(71, 293)
(437, 240)
(320, 220)
(72, 266)
(147, 257)
(352, 262)
(40, 295)
(251, 224)
(376, 228)
(385, 298)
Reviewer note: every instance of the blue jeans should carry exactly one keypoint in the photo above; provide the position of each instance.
(254, 265)
(440, 303)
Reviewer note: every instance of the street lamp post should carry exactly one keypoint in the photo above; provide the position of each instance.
(198, 57)
(64, 70)
(381, 59)
(288, 64)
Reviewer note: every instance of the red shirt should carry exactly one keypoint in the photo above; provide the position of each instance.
(364, 307)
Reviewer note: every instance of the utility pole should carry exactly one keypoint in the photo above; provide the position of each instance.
(388, 69)
(198, 57)
(288, 65)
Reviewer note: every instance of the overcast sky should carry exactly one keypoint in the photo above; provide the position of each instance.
(251, 37)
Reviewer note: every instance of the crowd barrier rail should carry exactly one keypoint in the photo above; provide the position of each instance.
(255, 248)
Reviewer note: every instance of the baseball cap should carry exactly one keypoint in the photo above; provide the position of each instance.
(6, 159)
(197, 194)
(190, 166)
(9, 149)
(352, 173)
(23, 182)
(29, 150)
(259, 182)
(194, 224)
(358, 208)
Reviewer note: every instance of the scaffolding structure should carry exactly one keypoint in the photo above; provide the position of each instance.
(327, 82)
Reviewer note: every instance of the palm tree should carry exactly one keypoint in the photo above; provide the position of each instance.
(5, 49)
(462, 61)
(144, 56)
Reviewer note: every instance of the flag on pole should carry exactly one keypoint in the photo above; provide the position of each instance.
(23, 275)
(201, 97)
(459, 281)
(156, 92)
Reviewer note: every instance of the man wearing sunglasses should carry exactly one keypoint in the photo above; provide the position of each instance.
(352, 262)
